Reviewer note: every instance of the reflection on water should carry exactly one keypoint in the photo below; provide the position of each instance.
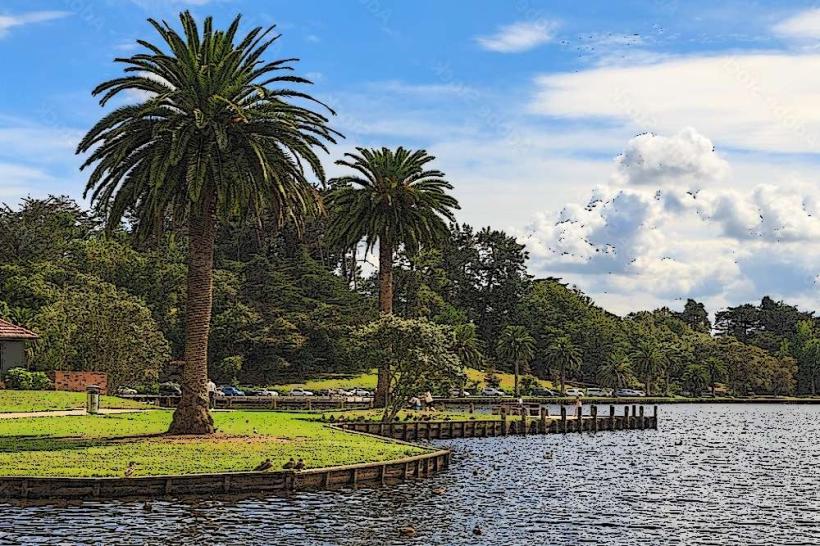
(734, 474)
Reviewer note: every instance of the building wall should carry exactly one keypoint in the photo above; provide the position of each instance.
(78, 381)
(12, 355)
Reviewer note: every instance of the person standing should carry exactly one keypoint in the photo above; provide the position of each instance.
(428, 400)
(211, 394)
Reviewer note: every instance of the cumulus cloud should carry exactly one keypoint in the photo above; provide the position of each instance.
(519, 37)
(8, 22)
(644, 236)
(687, 157)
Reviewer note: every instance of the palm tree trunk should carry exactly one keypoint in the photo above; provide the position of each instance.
(386, 308)
(563, 390)
(516, 379)
(191, 415)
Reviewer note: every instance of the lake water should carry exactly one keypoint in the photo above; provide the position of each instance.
(711, 474)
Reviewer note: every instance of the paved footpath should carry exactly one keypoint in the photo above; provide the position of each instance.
(64, 413)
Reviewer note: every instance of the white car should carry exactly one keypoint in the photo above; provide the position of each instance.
(572, 391)
(344, 392)
(492, 391)
(301, 392)
(361, 392)
(599, 392)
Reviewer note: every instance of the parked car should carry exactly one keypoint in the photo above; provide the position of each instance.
(361, 392)
(261, 392)
(492, 391)
(170, 389)
(228, 390)
(301, 392)
(343, 392)
(543, 391)
(126, 390)
(626, 393)
(595, 391)
(574, 391)
(459, 393)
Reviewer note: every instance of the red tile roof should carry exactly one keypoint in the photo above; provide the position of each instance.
(9, 331)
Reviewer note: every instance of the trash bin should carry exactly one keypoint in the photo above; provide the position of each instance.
(92, 405)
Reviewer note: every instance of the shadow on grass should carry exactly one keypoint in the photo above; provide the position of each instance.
(24, 443)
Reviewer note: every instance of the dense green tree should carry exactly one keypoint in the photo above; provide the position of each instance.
(419, 357)
(716, 372)
(565, 357)
(695, 316)
(97, 327)
(467, 346)
(395, 200)
(517, 347)
(617, 373)
(695, 378)
(649, 361)
(217, 135)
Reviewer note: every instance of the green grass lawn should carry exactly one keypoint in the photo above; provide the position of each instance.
(104, 445)
(27, 401)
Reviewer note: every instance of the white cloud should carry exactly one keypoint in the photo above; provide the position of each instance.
(765, 102)
(519, 37)
(643, 241)
(802, 26)
(10, 21)
(687, 157)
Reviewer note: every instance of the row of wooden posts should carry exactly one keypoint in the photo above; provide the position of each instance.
(633, 418)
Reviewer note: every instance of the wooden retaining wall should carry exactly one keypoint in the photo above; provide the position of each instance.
(231, 483)
(633, 418)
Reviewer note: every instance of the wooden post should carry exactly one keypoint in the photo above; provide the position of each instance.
(543, 417)
(634, 415)
(593, 410)
(523, 422)
(404, 431)
(503, 421)
(655, 418)
(611, 417)
(472, 407)
(451, 429)
(579, 415)
(626, 418)
(354, 478)
(564, 419)
(417, 431)
(641, 418)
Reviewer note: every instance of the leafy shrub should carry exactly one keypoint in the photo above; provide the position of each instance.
(23, 380)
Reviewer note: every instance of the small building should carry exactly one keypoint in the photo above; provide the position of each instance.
(13, 341)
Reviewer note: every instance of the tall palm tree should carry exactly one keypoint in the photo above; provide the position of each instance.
(716, 370)
(563, 354)
(516, 345)
(393, 200)
(216, 134)
(649, 361)
(467, 345)
(616, 373)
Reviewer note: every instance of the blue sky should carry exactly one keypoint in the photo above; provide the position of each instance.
(645, 151)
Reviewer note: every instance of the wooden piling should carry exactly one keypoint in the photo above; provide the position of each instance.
(543, 421)
(523, 421)
(625, 424)
(579, 417)
(503, 421)
(655, 418)
(611, 417)
(641, 422)
(593, 410)
(472, 407)
(564, 419)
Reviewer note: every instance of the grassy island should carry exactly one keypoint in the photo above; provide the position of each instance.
(84, 446)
